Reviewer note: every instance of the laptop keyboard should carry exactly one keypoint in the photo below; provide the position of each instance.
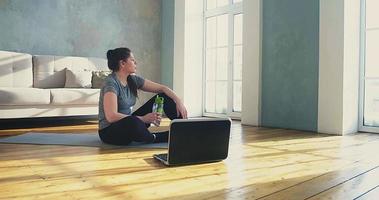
(163, 156)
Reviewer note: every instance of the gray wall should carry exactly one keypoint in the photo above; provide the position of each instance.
(167, 48)
(290, 64)
(84, 28)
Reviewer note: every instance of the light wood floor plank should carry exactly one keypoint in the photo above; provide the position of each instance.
(353, 187)
(372, 194)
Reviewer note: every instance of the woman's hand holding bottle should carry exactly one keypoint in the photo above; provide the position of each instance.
(153, 117)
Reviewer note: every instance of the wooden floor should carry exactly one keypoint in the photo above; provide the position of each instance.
(262, 164)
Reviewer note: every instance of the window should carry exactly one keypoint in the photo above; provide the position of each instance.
(369, 95)
(223, 57)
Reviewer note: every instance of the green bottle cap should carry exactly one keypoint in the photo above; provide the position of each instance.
(159, 100)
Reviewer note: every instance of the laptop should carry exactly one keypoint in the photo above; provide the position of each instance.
(193, 141)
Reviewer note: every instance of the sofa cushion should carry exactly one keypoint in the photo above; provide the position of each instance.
(24, 96)
(98, 78)
(78, 79)
(74, 96)
(49, 71)
(15, 69)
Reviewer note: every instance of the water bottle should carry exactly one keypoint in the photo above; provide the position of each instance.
(158, 107)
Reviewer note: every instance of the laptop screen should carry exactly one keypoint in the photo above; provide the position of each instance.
(193, 141)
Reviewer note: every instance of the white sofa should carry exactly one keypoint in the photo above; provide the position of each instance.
(34, 86)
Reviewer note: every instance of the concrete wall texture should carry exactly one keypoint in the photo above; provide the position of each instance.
(167, 48)
(290, 66)
(84, 28)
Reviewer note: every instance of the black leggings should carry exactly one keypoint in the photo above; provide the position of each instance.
(131, 128)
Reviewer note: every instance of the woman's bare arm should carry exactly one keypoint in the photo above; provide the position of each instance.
(150, 86)
(110, 108)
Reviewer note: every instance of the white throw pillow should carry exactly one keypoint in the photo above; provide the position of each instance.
(78, 79)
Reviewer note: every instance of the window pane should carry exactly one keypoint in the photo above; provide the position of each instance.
(211, 4)
(221, 96)
(237, 64)
(371, 104)
(372, 14)
(210, 97)
(238, 29)
(222, 30)
(221, 3)
(211, 30)
(222, 64)
(223, 55)
(210, 66)
(237, 95)
(372, 49)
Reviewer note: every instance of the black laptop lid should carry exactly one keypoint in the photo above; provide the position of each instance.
(198, 140)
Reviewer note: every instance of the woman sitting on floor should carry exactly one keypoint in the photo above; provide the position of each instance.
(117, 123)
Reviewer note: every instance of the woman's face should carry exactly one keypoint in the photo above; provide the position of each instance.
(130, 64)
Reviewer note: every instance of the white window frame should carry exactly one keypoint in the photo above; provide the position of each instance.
(231, 9)
(362, 78)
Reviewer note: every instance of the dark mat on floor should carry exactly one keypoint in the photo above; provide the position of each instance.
(70, 139)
